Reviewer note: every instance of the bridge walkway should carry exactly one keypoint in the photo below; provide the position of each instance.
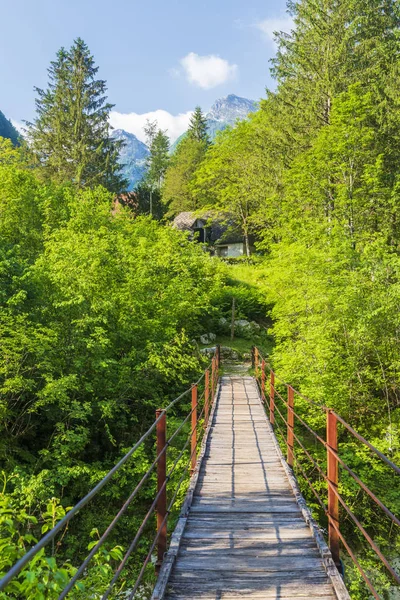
(247, 532)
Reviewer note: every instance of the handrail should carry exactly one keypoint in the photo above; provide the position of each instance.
(210, 378)
(333, 460)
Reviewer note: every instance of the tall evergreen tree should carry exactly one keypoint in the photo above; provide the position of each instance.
(70, 136)
(158, 159)
(198, 126)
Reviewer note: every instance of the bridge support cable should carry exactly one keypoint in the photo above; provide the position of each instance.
(330, 477)
(208, 382)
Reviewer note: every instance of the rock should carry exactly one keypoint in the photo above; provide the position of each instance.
(206, 338)
(242, 323)
(208, 351)
(229, 353)
(223, 322)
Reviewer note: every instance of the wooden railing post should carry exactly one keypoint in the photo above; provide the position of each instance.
(333, 478)
(194, 430)
(206, 397)
(290, 427)
(272, 399)
(263, 380)
(161, 430)
(213, 369)
(253, 357)
(256, 361)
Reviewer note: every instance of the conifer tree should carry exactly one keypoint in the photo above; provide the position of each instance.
(198, 126)
(70, 136)
(158, 159)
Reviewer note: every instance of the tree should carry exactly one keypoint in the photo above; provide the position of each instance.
(158, 159)
(149, 200)
(231, 178)
(70, 136)
(177, 193)
(198, 126)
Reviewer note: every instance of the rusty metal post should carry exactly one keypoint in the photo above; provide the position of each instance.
(194, 430)
(263, 380)
(290, 428)
(206, 397)
(256, 361)
(213, 362)
(333, 478)
(272, 399)
(161, 430)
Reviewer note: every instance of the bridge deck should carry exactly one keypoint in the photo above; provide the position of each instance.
(246, 535)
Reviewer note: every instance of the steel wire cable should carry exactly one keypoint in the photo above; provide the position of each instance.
(23, 561)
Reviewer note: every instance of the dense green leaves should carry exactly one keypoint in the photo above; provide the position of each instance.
(98, 310)
(177, 191)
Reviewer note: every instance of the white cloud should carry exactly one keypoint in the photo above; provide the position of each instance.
(207, 71)
(134, 123)
(270, 25)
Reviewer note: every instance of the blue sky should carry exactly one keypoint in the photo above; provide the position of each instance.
(156, 55)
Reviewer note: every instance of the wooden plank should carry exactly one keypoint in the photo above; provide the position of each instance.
(246, 534)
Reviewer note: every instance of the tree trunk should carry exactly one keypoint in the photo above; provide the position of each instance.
(246, 239)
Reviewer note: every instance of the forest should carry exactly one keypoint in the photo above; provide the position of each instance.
(102, 303)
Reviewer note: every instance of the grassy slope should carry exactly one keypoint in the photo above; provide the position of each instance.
(251, 275)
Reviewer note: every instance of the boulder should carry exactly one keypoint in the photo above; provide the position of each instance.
(209, 351)
(242, 323)
(229, 353)
(206, 338)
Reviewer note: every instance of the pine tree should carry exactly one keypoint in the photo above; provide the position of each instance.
(198, 126)
(70, 136)
(158, 159)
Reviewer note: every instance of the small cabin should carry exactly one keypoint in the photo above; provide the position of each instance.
(198, 226)
(222, 237)
(230, 249)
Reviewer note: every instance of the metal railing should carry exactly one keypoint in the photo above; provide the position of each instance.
(273, 399)
(208, 382)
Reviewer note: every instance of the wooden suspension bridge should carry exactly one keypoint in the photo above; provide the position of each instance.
(244, 527)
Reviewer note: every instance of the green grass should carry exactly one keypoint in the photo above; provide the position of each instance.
(253, 275)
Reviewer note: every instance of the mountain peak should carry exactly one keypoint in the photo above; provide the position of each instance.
(132, 156)
(7, 130)
(231, 108)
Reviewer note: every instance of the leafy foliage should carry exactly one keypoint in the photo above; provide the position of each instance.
(97, 312)
(177, 193)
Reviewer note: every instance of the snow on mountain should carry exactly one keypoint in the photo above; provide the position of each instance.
(224, 112)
